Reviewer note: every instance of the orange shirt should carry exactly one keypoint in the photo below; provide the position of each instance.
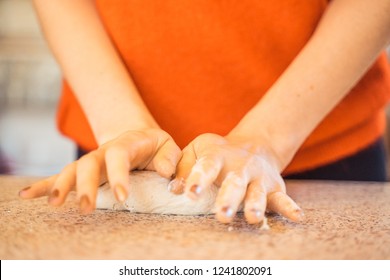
(200, 65)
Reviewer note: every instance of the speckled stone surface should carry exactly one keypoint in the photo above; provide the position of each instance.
(343, 221)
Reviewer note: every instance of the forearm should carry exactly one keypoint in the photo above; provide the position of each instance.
(349, 37)
(93, 68)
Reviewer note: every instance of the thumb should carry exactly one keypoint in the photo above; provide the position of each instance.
(183, 169)
(166, 159)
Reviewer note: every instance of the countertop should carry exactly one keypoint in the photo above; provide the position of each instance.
(344, 220)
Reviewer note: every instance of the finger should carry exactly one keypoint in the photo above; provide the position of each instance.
(118, 165)
(38, 189)
(65, 182)
(183, 169)
(166, 159)
(255, 202)
(278, 201)
(88, 178)
(203, 174)
(230, 196)
(282, 204)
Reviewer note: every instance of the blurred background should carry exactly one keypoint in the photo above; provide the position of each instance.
(30, 83)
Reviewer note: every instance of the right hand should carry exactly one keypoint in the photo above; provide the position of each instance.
(149, 149)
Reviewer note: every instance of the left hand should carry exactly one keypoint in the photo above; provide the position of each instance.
(244, 173)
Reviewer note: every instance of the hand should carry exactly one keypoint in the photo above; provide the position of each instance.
(244, 173)
(151, 149)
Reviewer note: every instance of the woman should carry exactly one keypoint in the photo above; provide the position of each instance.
(250, 90)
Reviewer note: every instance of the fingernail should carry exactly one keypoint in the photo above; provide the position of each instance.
(195, 189)
(176, 185)
(54, 195)
(85, 204)
(227, 211)
(120, 193)
(24, 190)
(300, 215)
(256, 212)
(171, 185)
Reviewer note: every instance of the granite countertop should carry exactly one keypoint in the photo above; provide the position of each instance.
(343, 221)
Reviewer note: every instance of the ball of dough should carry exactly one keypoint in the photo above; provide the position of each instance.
(149, 194)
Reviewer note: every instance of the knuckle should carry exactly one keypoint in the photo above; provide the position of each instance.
(253, 161)
(208, 138)
(114, 151)
(255, 192)
(207, 163)
(94, 156)
(205, 136)
(68, 168)
(86, 159)
(236, 180)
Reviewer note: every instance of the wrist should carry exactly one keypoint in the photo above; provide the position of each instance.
(279, 146)
(104, 134)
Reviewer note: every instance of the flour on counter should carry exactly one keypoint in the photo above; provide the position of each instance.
(149, 194)
(265, 225)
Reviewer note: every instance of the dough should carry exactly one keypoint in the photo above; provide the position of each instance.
(149, 194)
